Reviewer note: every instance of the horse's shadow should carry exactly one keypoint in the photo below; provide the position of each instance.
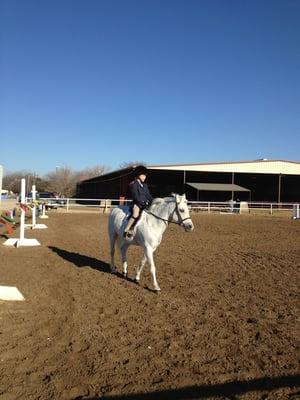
(81, 260)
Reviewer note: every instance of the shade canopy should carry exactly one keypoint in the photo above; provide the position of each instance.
(220, 187)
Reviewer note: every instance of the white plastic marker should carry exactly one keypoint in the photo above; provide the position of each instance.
(10, 293)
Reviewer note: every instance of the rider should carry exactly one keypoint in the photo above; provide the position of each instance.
(141, 197)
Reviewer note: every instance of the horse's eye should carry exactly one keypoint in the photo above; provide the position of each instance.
(181, 210)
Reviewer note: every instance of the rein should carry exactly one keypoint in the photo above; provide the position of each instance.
(168, 221)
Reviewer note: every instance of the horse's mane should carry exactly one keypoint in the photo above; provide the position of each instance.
(158, 201)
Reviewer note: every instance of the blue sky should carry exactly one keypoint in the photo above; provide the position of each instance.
(102, 82)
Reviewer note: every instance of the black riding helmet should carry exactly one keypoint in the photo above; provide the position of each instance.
(140, 170)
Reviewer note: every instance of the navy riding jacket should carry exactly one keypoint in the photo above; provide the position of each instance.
(140, 193)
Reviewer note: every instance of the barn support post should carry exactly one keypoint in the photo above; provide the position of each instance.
(184, 180)
(279, 187)
(232, 181)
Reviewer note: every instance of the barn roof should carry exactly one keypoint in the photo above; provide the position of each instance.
(221, 187)
(262, 166)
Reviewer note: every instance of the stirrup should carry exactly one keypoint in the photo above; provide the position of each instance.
(128, 234)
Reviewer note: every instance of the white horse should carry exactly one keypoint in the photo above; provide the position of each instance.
(148, 231)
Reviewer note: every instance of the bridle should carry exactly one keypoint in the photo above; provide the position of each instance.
(169, 221)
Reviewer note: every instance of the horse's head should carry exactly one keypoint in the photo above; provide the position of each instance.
(181, 214)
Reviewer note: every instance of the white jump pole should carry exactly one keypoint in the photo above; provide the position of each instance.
(43, 216)
(34, 225)
(33, 191)
(22, 241)
(22, 219)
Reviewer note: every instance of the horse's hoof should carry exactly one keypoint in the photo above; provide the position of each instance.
(113, 271)
(156, 290)
(124, 274)
(137, 281)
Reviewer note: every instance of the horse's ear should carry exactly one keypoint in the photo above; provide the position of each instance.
(177, 198)
(184, 196)
(174, 195)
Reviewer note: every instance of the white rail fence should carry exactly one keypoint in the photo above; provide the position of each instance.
(104, 206)
(242, 207)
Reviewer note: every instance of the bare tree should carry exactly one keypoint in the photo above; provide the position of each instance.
(127, 164)
(63, 180)
(12, 181)
(92, 172)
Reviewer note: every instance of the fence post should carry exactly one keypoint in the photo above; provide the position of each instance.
(67, 204)
(208, 207)
(271, 209)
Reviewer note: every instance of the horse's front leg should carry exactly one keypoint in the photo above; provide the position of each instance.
(124, 258)
(140, 268)
(149, 254)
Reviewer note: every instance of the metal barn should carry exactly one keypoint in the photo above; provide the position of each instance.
(257, 181)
